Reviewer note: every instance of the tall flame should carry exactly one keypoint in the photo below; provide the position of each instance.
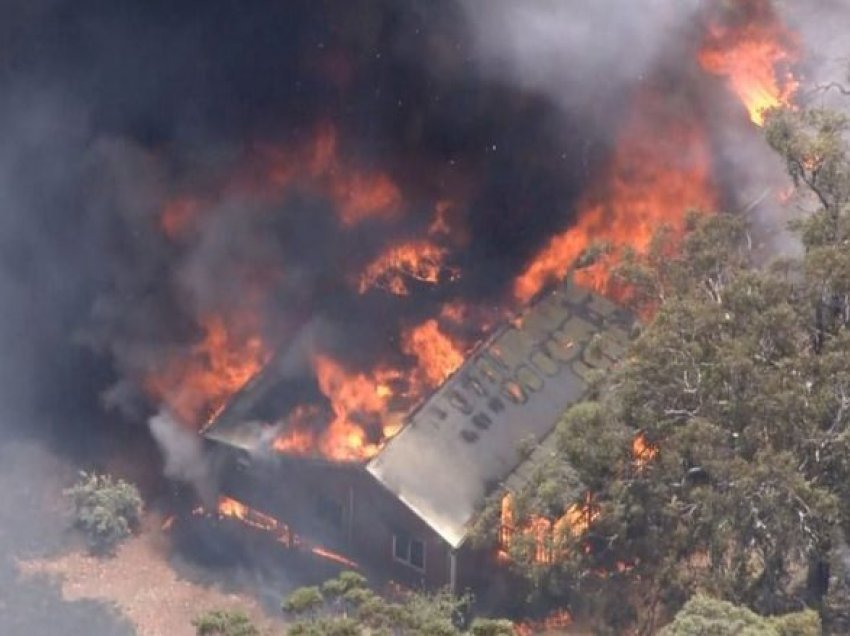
(575, 521)
(437, 355)
(749, 46)
(414, 260)
(642, 451)
(358, 194)
(545, 533)
(360, 402)
(196, 385)
(659, 170)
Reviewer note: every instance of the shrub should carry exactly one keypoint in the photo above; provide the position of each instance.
(304, 600)
(224, 623)
(708, 617)
(491, 627)
(105, 509)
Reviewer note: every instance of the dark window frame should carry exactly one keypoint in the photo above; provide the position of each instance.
(405, 552)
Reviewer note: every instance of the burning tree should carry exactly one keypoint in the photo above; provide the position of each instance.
(105, 509)
(734, 484)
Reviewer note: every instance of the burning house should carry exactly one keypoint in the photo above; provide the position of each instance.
(408, 509)
(312, 237)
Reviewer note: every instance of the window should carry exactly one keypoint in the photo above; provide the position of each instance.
(409, 551)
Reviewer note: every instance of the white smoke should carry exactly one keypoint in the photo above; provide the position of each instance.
(578, 53)
(823, 27)
(585, 55)
(183, 452)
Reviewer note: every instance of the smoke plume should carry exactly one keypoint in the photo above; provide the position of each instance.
(176, 177)
(185, 460)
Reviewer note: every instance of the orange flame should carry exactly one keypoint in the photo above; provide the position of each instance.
(299, 437)
(660, 169)
(197, 385)
(575, 521)
(642, 451)
(557, 620)
(414, 260)
(752, 49)
(229, 508)
(356, 398)
(358, 195)
(437, 355)
(295, 442)
(333, 556)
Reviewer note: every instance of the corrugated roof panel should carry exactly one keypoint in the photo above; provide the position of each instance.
(505, 393)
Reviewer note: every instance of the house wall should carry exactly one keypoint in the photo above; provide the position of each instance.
(378, 517)
(301, 493)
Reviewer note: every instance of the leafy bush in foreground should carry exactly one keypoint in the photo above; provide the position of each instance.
(224, 623)
(105, 509)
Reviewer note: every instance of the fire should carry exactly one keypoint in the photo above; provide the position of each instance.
(298, 436)
(753, 50)
(557, 620)
(357, 195)
(295, 442)
(642, 451)
(195, 386)
(544, 532)
(333, 556)
(229, 508)
(660, 169)
(437, 355)
(356, 399)
(414, 260)
(575, 521)
(360, 422)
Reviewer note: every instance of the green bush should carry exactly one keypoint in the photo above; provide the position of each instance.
(105, 509)
(703, 616)
(224, 623)
(492, 627)
(304, 600)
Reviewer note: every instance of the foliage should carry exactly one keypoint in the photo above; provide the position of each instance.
(344, 606)
(703, 616)
(224, 623)
(105, 509)
(304, 600)
(740, 380)
(491, 627)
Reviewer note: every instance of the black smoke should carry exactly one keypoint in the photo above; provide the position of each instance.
(108, 110)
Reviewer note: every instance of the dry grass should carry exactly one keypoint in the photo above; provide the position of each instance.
(145, 588)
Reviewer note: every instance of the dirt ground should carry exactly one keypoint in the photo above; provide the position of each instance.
(144, 586)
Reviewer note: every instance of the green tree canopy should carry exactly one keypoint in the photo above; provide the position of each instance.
(224, 623)
(741, 383)
(345, 606)
(703, 616)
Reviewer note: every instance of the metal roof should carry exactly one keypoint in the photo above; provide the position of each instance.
(466, 440)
